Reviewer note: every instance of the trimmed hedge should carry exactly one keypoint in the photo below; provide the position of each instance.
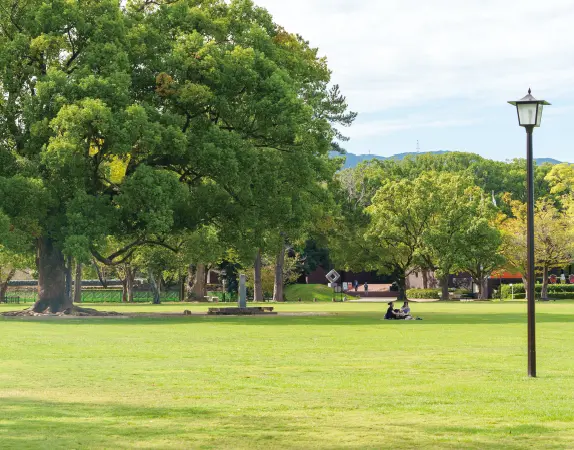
(557, 291)
(424, 293)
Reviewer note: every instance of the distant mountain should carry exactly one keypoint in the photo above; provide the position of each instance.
(401, 156)
(353, 160)
(541, 161)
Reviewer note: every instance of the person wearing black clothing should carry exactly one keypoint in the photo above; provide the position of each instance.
(390, 315)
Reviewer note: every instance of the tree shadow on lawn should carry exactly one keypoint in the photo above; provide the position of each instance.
(32, 423)
(332, 319)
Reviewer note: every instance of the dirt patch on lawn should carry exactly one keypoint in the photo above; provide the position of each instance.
(139, 315)
(74, 312)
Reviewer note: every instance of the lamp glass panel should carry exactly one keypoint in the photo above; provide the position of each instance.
(539, 115)
(527, 114)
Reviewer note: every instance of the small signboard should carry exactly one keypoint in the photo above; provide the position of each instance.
(333, 276)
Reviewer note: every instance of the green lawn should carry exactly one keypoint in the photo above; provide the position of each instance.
(344, 380)
(307, 292)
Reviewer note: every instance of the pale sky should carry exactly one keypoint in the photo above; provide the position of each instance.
(442, 71)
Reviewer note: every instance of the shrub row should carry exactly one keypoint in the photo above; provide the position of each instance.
(423, 293)
(559, 291)
(552, 296)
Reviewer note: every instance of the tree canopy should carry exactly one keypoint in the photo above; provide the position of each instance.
(157, 117)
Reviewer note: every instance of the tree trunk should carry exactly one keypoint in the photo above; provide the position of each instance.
(189, 283)
(130, 278)
(181, 287)
(128, 284)
(425, 279)
(483, 288)
(444, 288)
(401, 280)
(4, 284)
(257, 285)
(69, 285)
(78, 283)
(124, 289)
(198, 290)
(278, 284)
(101, 276)
(155, 287)
(544, 294)
(3, 290)
(51, 279)
(525, 284)
(402, 294)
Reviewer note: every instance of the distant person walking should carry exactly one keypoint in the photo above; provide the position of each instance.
(366, 287)
(356, 285)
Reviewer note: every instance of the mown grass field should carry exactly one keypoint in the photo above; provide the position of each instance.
(343, 380)
(308, 292)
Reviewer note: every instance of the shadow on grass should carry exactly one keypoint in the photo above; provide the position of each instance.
(31, 423)
(28, 423)
(332, 319)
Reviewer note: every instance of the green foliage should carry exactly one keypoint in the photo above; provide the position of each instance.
(434, 222)
(553, 235)
(561, 179)
(142, 122)
(555, 291)
(493, 177)
(424, 293)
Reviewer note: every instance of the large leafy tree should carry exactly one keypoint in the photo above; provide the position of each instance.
(349, 245)
(431, 222)
(68, 115)
(553, 232)
(495, 178)
(458, 226)
(139, 122)
(401, 212)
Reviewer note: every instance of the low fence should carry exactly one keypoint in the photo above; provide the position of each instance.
(98, 296)
(114, 295)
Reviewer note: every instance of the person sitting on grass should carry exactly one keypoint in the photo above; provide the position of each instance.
(399, 314)
(391, 312)
(406, 310)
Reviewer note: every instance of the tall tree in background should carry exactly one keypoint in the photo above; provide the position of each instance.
(553, 240)
(349, 245)
(456, 204)
(401, 212)
(552, 234)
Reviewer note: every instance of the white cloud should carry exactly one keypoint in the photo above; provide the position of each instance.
(391, 53)
(384, 127)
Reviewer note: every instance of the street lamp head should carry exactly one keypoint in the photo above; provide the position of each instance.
(529, 110)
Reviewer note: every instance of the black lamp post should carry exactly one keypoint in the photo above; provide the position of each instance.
(530, 116)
